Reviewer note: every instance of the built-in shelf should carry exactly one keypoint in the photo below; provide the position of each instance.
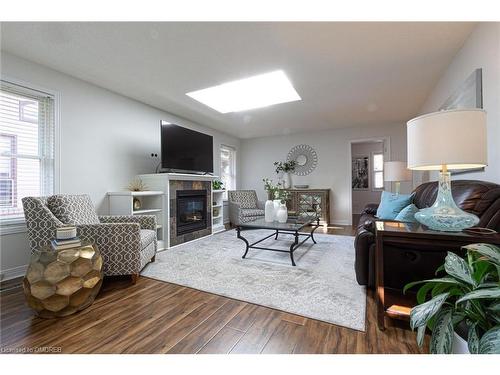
(217, 221)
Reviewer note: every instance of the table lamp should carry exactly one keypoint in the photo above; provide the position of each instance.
(447, 140)
(396, 171)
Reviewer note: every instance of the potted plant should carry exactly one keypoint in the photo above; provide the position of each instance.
(468, 296)
(287, 167)
(217, 185)
(271, 189)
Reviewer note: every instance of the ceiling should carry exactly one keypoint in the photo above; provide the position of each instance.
(348, 74)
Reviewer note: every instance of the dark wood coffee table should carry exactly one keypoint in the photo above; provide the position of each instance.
(292, 226)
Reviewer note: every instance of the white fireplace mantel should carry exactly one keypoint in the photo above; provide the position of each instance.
(177, 176)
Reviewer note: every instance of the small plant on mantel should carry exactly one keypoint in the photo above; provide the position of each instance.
(468, 296)
(217, 185)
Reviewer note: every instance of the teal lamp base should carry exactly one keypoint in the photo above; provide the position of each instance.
(444, 215)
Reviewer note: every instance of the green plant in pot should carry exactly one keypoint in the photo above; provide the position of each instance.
(271, 189)
(287, 167)
(217, 185)
(467, 297)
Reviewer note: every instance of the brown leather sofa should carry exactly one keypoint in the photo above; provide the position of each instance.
(477, 197)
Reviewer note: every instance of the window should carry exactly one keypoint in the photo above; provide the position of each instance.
(378, 171)
(7, 170)
(228, 168)
(27, 141)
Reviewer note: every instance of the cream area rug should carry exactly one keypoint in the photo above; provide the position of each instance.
(322, 286)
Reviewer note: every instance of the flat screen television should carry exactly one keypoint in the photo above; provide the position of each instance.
(186, 150)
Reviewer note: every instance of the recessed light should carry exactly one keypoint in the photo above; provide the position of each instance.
(249, 93)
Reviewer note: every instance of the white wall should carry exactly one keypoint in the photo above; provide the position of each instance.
(481, 50)
(106, 139)
(360, 198)
(334, 164)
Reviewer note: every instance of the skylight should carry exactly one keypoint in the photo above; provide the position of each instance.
(249, 93)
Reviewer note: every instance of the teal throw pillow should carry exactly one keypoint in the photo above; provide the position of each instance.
(407, 214)
(391, 204)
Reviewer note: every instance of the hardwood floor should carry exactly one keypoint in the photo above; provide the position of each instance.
(157, 317)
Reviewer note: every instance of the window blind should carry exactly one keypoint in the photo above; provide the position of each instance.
(27, 147)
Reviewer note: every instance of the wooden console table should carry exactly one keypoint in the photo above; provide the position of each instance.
(391, 302)
(310, 203)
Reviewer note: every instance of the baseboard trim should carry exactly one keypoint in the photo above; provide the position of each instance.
(12, 273)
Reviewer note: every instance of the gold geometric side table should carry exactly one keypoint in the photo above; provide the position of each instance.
(62, 282)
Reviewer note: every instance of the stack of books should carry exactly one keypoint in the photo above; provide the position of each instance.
(66, 238)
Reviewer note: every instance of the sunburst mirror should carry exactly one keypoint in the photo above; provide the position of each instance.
(306, 158)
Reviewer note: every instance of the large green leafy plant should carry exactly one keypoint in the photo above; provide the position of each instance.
(468, 294)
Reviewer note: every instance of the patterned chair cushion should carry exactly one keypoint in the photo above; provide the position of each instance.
(73, 209)
(147, 236)
(245, 198)
(40, 221)
(251, 212)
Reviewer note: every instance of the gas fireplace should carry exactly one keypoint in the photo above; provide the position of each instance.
(191, 211)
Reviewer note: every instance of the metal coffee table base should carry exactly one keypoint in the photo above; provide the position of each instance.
(294, 246)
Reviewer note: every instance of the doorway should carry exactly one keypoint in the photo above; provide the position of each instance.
(367, 173)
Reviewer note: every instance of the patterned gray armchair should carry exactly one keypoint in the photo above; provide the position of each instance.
(127, 243)
(244, 206)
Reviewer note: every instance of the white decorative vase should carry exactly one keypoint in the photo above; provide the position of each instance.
(269, 211)
(282, 214)
(289, 182)
(276, 206)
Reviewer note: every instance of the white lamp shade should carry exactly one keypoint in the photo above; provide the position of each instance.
(395, 171)
(455, 138)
